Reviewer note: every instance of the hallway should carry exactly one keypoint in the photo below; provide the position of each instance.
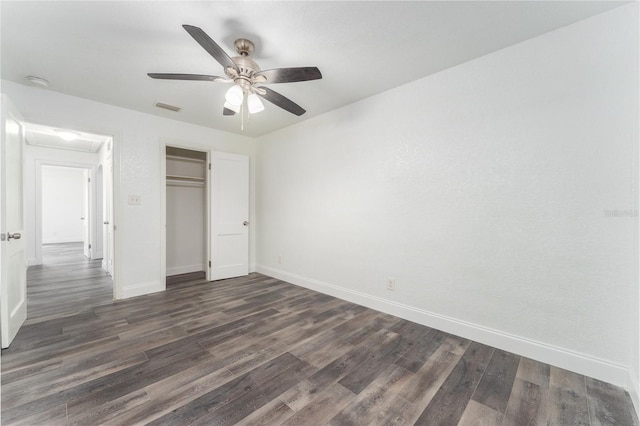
(72, 283)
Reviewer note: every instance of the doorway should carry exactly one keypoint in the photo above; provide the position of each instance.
(65, 209)
(69, 192)
(224, 179)
(186, 215)
(33, 151)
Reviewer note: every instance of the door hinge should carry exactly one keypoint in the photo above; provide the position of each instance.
(3, 237)
(89, 246)
(209, 166)
(209, 261)
(88, 179)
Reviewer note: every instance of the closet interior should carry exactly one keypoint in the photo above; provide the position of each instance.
(186, 227)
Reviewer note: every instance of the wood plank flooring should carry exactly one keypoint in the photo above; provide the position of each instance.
(184, 278)
(66, 283)
(259, 351)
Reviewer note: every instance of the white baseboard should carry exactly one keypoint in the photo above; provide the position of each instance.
(177, 270)
(569, 360)
(142, 289)
(634, 390)
(32, 261)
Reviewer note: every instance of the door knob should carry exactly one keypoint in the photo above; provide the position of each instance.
(245, 223)
(15, 236)
(105, 223)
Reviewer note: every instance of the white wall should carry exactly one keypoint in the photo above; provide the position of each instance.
(186, 235)
(137, 171)
(62, 204)
(486, 191)
(186, 216)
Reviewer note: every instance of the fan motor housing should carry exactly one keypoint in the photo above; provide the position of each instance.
(246, 65)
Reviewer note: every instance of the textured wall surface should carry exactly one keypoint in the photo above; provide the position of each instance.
(186, 236)
(498, 193)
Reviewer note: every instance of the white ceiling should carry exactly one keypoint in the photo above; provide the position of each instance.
(103, 50)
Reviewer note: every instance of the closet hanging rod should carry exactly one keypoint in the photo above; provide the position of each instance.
(186, 178)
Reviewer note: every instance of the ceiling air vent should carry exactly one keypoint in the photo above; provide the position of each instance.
(167, 106)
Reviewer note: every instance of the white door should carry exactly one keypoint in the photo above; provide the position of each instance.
(86, 223)
(13, 258)
(229, 215)
(108, 215)
(97, 246)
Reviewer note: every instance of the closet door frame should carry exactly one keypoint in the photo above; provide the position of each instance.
(163, 205)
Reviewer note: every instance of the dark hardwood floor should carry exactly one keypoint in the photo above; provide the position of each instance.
(259, 351)
(184, 278)
(65, 284)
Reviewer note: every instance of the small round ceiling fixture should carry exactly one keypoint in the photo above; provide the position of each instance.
(38, 81)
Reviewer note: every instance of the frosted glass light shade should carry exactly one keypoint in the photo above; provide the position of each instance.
(234, 96)
(233, 108)
(254, 103)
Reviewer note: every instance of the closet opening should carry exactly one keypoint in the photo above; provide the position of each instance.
(186, 215)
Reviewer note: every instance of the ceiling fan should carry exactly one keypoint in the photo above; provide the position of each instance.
(246, 76)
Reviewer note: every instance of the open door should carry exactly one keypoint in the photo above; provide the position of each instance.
(13, 253)
(85, 215)
(97, 249)
(107, 215)
(229, 215)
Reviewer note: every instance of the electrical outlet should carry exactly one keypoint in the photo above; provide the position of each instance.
(391, 284)
(134, 200)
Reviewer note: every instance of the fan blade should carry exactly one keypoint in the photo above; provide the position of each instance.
(210, 46)
(227, 111)
(202, 77)
(290, 75)
(281, 101)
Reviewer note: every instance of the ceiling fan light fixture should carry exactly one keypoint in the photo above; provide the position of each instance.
(233, 108)
(246, 76)
(254, 104)
(234, 96)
